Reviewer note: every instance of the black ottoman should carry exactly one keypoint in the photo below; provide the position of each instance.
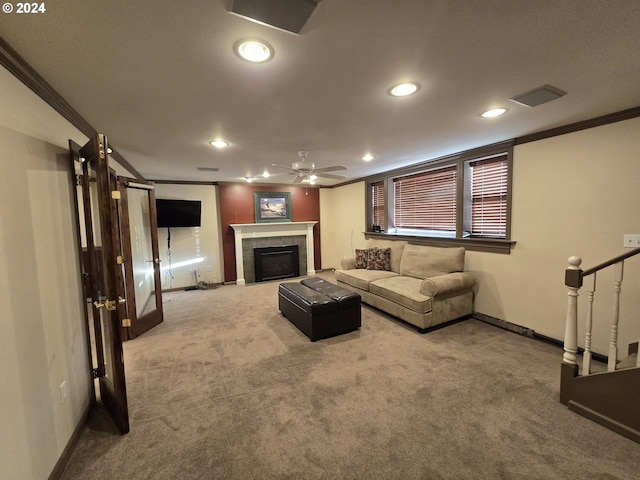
(319, 309)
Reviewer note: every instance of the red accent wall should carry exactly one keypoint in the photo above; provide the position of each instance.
(237, 206)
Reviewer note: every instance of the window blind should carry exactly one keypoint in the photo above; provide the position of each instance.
(427, 200)
(489, 197)
(377, 198)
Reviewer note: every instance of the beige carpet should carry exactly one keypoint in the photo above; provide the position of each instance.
(227, 388)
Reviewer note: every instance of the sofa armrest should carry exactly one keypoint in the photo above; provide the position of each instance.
(348, 263)
(450, 282)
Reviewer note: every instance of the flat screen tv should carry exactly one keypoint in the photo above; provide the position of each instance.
(178, 213)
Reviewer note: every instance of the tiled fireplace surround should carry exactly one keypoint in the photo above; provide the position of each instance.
(253, 235)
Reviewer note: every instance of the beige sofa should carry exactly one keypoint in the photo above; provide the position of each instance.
(424, 286)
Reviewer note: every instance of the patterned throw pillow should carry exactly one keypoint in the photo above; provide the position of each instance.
(362, 256)
(379, 259)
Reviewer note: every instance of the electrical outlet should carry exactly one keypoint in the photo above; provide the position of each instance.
(64, 392)
(631, 240)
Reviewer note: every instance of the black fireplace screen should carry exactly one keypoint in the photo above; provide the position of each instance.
(272, 263)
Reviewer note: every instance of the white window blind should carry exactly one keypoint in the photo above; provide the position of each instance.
(427, 200)
(489, 197)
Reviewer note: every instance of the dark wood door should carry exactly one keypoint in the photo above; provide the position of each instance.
(141, 255)
(100, 197)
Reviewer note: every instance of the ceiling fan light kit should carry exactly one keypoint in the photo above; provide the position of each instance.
(307, 172)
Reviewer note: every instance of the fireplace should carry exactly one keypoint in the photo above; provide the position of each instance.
(248, 236)
(272, 263)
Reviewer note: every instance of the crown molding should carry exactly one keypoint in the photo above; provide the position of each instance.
(20, 69)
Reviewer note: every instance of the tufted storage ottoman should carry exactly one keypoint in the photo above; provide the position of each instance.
(319, 309)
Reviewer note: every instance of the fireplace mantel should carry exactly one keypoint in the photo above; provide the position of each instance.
(271, 229)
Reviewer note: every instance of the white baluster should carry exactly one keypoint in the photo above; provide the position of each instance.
(571, 326)
(618, 269)
(586, 364)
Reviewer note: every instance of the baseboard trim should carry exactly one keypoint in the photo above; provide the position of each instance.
(528, 332)
(605, 421)
(61, 464)
(505, 325)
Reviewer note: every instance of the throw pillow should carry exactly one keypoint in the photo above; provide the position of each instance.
(379, 259)
(362, 256)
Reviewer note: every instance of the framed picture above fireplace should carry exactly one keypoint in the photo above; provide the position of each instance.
(272, 206)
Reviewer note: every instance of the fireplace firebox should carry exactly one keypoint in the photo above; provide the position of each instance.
(273, 263)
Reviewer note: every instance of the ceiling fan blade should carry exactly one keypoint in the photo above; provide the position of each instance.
(328, 175)
(299, 178)
(335, 168)
(282, 166)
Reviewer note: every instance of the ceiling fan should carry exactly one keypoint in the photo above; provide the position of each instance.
(305, 170)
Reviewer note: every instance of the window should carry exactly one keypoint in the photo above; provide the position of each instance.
(463, 199)
(426, 201)
(377, 204)
(488, 179)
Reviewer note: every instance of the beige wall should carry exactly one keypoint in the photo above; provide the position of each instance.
(42, 333)
(197, 249)
(343, 221)
(575, 194)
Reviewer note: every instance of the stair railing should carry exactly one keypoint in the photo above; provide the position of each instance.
(574, 279)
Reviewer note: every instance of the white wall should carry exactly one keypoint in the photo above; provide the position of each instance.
(192, 248)
(575, 194)
(42, 332)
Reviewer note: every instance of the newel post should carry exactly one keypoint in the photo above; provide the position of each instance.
(573, 280)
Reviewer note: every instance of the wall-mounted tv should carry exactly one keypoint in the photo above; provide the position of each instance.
(178, 213)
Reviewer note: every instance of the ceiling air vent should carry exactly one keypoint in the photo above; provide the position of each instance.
(538, 96)
(289, 15)
(208, 169)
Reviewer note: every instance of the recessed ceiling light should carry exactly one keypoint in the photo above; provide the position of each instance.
(368, 157)
(266, 175)
(404, 89)
(494, 112)
(219, 143)
(255, 51)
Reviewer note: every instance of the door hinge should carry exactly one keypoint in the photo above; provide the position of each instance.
(115, 194)
(78, 180)
(126, 322)
(95, 373)
(119, 259)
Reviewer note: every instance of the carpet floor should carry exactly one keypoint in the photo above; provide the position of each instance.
(227, 388)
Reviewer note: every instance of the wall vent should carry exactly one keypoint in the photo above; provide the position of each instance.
(208, 169)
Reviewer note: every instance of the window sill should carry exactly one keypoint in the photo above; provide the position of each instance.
(490, 245)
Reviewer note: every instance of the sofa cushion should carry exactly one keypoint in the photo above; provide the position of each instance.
(396, 246)
(361, 278)
(422, 261)
(404, 291)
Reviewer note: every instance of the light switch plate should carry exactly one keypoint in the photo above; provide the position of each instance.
(631, 240)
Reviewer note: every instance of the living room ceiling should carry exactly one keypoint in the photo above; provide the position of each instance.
(161, 79)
